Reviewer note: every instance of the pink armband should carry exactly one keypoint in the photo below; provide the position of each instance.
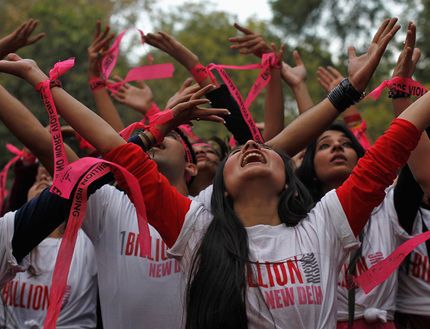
(406, 85)
(97, 83)
(201, 73)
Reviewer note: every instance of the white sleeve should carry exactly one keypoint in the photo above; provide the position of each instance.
(8, 264)
(204, 197)
(332, 223)
(94, 224)
(194, 228)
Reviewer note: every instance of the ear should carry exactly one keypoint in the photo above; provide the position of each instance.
(190, 169)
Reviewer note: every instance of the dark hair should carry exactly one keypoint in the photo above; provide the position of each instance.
(306, 172)
(216, 289)
(222, 148)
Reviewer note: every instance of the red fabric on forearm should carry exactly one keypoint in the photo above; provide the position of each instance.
(165, 206)
(365, 187)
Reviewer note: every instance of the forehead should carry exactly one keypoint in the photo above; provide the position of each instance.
(331, 134)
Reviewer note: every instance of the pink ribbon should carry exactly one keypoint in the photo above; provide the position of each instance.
(60, 158)
(126, 132)
(4, 172)
(79, 174)
(406, 85)
(268, 61)
(379, 272)
(84, 172)
(360, 133)
(148, 72)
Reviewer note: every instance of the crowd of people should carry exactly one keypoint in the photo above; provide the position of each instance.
(268, 229)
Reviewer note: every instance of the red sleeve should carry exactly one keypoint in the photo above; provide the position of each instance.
(365, 187)
(165, 206)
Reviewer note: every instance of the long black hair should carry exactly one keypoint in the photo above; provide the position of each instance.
(306, 172)
(216, 289)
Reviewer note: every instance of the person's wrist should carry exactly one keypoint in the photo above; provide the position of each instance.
(297, 86)
(34, 77)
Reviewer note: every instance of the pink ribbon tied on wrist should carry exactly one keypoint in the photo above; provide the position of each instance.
(77, 177)
(406, 85)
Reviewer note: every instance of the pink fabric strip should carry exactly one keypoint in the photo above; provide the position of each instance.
(268, 61)
(406, 85)
(109, 60)
(360, 133)
(154, 109)
(85, 171)
(126, 133)
(79, 174)
(148, 72)
(234, 91)
(4, 172)
(379, 272)
(60, 158)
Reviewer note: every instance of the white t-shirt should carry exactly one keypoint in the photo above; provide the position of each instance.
(135, 292)
(414, 275)
(297, 289)
(25, 297)
(8, 264)
(382, 235)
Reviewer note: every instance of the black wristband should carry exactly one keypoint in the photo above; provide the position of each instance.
(344, 95)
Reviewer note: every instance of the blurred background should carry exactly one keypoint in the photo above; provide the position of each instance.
(320, 29)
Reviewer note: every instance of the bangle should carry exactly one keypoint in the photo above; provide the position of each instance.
(395, 93)
(344, 95)
(96, 84)
(145, 140)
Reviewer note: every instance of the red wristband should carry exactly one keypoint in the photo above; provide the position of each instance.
(97, 83)
(201, 73)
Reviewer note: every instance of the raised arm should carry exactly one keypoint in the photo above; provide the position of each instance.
(105, 107)
(20, 37)
(312, 123)
(253, 43)
(295, 77)
(419, 161)
(24, 125)
(365, 187)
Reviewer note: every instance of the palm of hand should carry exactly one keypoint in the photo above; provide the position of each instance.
(138, 98)
(294, 75)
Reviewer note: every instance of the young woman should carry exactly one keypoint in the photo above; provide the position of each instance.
(327, 164)
(25, 299)
(258, 258)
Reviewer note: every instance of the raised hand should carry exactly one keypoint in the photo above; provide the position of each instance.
(184, 93)
(296, 75)
(361, 68)
(250, 42)
(174, 48)
(20, 38)
(138, 98)
(329, 77)
(189, 110)
(26, 69)
(97, 49)
(409, 56)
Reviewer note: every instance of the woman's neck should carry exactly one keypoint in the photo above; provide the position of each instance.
(257, 210)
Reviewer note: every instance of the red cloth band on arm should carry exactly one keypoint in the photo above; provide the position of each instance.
(365, 187)
(165, 206)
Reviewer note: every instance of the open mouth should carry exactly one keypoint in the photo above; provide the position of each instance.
(338, 158)
(252, 157)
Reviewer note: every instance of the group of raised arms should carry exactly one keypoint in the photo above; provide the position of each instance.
(267, 230)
